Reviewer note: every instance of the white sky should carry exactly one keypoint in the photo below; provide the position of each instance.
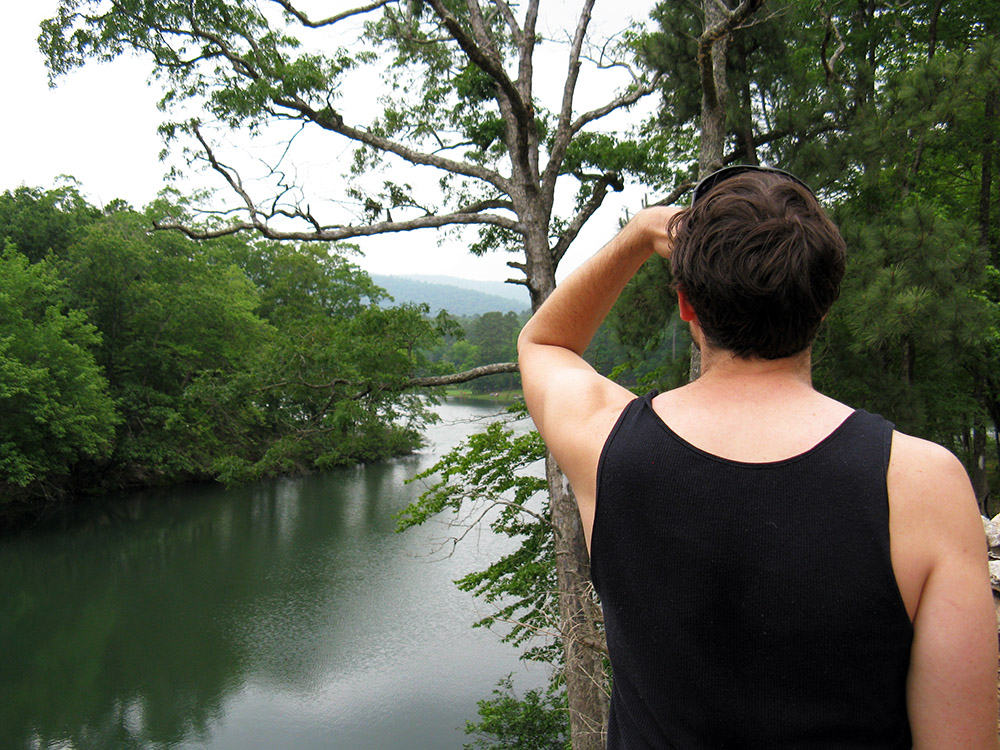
(99, 125)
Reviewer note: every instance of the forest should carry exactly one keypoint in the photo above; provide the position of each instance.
(133, 358)
(890, 111)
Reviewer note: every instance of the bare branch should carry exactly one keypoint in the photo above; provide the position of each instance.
(473, 213)
(625, 100)
(481, 32)
(523, 268)
(330, 120)
(462, 377)
(526, 80)
(422, 382)
(481, 57)
(511, 20)
(675, 194)
(228, 174)
(828, 65)
(565, 136)
(612, 180)
(332, 234)
(483, 205)
(573, 68)
(564, 128)
(304, 20)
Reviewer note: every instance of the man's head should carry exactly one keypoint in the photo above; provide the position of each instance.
(759, 262)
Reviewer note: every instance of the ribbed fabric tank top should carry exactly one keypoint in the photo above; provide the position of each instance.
(749, 605)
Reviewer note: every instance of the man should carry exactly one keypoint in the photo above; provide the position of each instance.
(776, 569)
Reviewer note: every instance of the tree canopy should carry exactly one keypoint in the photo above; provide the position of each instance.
(133, 357)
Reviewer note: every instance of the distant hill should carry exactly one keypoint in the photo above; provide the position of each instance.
(457, 296)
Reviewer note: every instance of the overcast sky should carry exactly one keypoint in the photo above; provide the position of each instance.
(99, 125)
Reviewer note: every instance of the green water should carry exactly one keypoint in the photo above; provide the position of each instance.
(287, 614)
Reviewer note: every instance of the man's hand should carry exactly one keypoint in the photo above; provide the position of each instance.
(653, 228)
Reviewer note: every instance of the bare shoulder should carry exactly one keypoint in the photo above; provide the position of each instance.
(927, 481)
(933, 509)
(568, 400)
(574, 409)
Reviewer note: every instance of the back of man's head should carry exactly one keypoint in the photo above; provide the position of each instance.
(760, 263)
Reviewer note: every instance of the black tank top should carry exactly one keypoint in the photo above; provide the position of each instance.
(749, 605)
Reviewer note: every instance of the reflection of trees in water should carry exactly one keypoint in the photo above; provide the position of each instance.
(138, 624)
(148, 638)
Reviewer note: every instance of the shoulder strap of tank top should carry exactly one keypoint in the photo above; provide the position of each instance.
(629, 413)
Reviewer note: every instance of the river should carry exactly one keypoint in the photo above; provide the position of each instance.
(287, 615)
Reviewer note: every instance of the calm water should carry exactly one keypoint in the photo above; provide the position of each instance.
(283, 615)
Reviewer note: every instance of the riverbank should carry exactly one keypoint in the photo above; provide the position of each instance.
(68, 508)
(508, 396)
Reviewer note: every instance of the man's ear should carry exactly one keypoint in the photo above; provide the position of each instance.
(687, 312)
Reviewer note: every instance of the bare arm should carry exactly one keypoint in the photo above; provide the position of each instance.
(939, 554)
(572, 405)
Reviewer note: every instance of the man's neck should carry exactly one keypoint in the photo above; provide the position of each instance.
(721, 368)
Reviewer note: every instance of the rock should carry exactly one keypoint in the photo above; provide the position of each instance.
(995, 574)
(992, 529)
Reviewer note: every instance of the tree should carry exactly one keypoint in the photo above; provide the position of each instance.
(216, 359)
(54, 402)
(43, 223)
(493, 337)
(459, 102)
(167, 314)
(536, 722)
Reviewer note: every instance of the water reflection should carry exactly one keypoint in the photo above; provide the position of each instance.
(287, 614)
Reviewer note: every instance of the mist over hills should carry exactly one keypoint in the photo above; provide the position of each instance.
(457, 296)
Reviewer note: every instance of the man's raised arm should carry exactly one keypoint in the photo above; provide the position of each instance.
(573, 407)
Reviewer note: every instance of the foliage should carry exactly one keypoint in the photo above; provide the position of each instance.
(135, 358)
(487, 477)
(491, 337)
(43, 223)
(54, 403)
(538, 721)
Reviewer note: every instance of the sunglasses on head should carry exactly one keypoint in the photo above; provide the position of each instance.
(721, 175)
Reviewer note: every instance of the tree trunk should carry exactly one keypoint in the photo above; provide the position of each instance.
(713, 120)
(586, 679)
(977, 470)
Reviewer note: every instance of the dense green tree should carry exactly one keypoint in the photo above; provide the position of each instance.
(54, 403)
(493, 338)
(167, 314)
(133, 357)
(44, 223)
(535, 722)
